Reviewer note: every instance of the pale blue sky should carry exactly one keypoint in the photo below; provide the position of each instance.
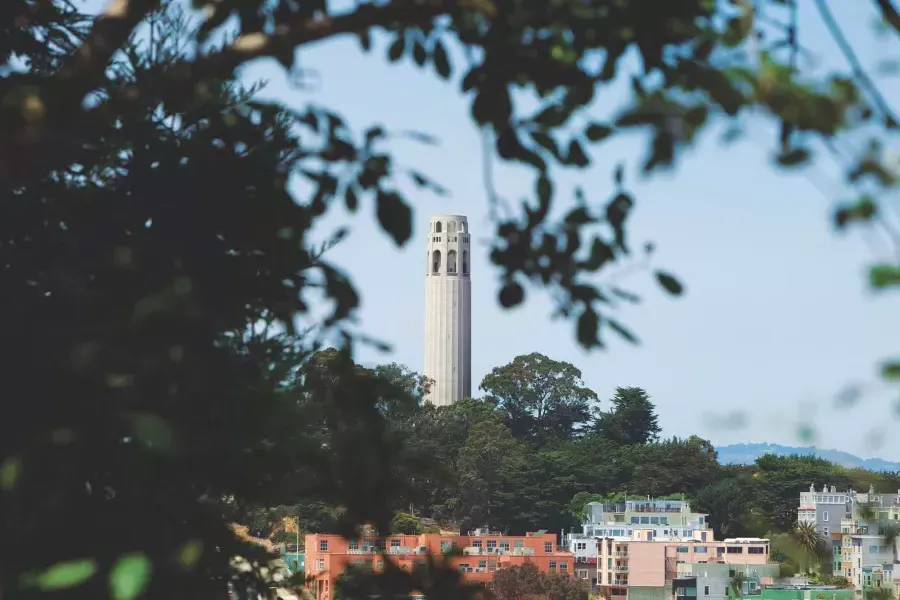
(776, 319)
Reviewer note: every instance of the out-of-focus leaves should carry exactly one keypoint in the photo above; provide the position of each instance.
(669, 283)
(129, 576)
(66, 575)
(891, 370)
(154, 431)
(884, 275)
(395, 216)
(10, 470)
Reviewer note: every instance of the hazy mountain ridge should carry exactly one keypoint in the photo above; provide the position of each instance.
(748, 453)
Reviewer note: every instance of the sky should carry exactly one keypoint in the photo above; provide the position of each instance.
(776, 321)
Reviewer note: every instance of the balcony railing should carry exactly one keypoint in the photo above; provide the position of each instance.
(621, 569)
(621, 554)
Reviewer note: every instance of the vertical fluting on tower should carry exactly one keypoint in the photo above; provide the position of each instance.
(448, 310)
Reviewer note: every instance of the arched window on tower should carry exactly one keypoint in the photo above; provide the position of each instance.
(436, 262)
(451, 262)
(451, 227)
(437, 227)
(463, 227)
(465, 261)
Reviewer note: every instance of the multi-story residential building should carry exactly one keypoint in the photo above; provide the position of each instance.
(632, 547)
(883, 507)
(654, 518)
(638, 520)
(620, 566)
(825, 509)
(483, 553)
(860, 552)
(715, 581)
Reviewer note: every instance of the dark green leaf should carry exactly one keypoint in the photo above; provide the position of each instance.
(365, 40)
(793, 157)
(885, 275)
(621, 330)
(588, 328)
(397, 48)
(669, 283)
(512, 294)
(351, 199)
(625, 295)
(545, 141)
(576, 156)
(891, 370)
(544, 191)
(420, 54)
(394, 216)
(596, 132)
(441, 60)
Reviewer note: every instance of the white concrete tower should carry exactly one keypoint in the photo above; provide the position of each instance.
(448, 310)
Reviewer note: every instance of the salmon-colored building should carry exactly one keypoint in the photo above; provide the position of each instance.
(622, 564)
(483, 552)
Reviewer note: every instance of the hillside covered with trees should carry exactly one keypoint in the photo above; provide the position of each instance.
(539, 445)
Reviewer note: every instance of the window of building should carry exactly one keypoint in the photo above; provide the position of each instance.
(700, 549)
(548, 546)
(492, 543)
(825, 531)
(873, 549)
(635, 520)
(451, 262)
(756, 550)
(476, 543)
(504, 545)
(436, 261)
(552, 566)
(563, 567)
(581, 574)
(519, 543)
(706, 590)
(465, 262)
(320, 564)
(380, 544)
(395, 543)
(682, 549)
(354, 544)
(323, 545)
(735, 550)
(824, 515)
(654, 520)
(482, 564)
(437, 227)
(664, 520)
(645, 520)
(451, 227)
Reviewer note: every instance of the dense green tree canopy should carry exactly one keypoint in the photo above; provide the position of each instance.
(542, 399)
(632, 419)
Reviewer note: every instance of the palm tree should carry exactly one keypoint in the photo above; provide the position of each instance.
(737, 584)
(878, 593)
(813, 545)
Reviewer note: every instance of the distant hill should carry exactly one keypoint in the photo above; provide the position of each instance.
(744, 454)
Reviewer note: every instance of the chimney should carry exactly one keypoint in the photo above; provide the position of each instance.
(812, 488)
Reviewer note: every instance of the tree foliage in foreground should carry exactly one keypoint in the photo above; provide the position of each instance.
(146, 227)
